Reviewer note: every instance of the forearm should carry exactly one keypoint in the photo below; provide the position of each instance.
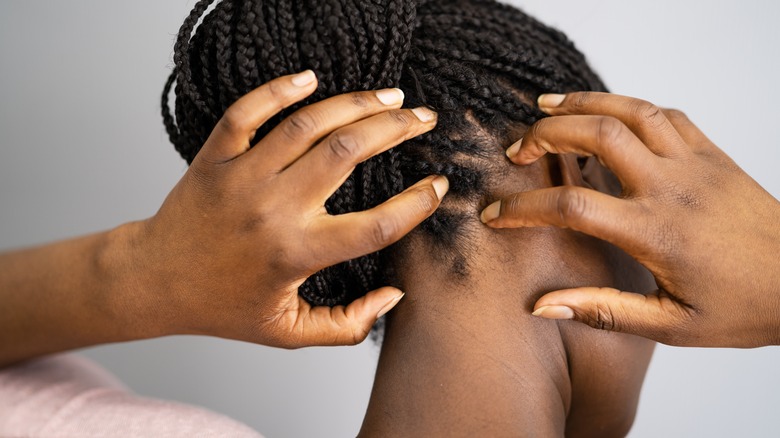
(71, 294)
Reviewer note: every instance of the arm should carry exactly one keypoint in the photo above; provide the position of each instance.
(70, 294)
(226, 252)
(707, 231)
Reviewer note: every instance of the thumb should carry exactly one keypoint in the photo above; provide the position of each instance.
(348, 325)
(656, 315)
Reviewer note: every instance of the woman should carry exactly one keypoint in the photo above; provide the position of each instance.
(461, 354)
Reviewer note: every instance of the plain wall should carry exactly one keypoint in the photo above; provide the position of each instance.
(82, 149)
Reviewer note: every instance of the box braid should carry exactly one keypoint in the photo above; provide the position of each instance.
(478, 63)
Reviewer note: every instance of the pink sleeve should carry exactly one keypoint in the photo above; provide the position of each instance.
(67, 395)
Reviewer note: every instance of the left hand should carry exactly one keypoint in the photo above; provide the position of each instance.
(244, 227)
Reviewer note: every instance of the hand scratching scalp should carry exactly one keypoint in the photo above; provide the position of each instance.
(478, 63)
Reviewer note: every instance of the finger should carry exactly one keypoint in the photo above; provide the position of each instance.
(646, 120)
(342, 325)
(297, 133)
(323, 169)
(618, 221)
(655, 316)
(352, 235)
(690, 133)
(606, 137)
(232, 135)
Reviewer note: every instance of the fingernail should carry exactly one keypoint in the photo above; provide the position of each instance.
(424, 114)
(491, 212)
(550, 100)
(390, 304)
(304, 78)
(554, 312)
(440, 185)
(514, 149)
(390, 96)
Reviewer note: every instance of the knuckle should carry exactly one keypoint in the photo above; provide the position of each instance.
(401, 119)
(646, 113)
(286, 261)
(427, 200)
(537, 129)
(659, 232)
(280, 260)
(688, 195)
(604, 319)
(252, 224)
(689, 199)
(278, 92)
(359, 100)
(609, 131)
(258, 218)
(600, 317)
(359, 334)
(572, 205)
(382, 232)
(666, 238)
(299, 125)
(511, 206)
(236, 119)
(343, 147)
(676, 115)
(581, 100)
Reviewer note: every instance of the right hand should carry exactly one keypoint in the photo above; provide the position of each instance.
(707, 231)
(244, 227)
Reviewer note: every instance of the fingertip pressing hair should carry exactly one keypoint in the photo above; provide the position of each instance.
(478, 63)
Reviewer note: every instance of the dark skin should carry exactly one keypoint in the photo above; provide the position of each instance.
(464, 357)
(227, 250)
(222, 274)
(706, 230)
(137, 281)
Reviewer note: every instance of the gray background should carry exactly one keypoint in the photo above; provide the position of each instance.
(82, 149)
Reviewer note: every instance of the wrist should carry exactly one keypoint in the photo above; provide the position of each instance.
(124, 260)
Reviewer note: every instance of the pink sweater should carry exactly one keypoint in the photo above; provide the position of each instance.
(69, 396)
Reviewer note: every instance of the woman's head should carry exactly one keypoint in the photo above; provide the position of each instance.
(478, 63)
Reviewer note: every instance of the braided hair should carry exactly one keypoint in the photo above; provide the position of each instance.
(480, 64)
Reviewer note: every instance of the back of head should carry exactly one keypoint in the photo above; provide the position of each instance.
(478, 63)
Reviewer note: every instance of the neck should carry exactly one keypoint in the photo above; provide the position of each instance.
(462, 355)
(469, 348)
